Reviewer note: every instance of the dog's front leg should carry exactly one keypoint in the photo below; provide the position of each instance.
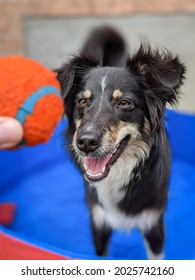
(154, 241)
(100, 229)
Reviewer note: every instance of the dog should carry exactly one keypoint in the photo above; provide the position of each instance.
(115, 104)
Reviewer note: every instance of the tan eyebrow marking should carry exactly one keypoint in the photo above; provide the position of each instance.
(117, 94)
(87, 94)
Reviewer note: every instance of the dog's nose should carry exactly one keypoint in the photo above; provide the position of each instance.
(88, 142)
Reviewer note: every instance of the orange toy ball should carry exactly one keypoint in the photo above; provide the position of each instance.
(30, 93)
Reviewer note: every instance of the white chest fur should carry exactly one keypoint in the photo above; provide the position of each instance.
(111, 215)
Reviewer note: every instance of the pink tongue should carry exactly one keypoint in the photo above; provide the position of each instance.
(96, 165)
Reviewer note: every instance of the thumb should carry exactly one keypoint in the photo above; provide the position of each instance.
(11, 132)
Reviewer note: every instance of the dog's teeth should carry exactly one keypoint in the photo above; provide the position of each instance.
(97, 175)
(94, 175)
(85, 166)
(103, 170)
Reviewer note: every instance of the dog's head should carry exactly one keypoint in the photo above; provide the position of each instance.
(115, 106)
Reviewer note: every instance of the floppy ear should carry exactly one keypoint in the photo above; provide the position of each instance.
(163, 75)
(71, 78)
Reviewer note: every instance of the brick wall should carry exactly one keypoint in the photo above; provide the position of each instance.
(12, 12)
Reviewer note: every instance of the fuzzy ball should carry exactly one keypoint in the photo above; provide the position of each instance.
(30, 93)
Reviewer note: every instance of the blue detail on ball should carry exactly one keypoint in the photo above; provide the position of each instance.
(29, 104)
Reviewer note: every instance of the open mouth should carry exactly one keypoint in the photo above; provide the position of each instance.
(97, 168)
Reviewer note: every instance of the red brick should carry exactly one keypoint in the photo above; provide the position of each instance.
(115, 7)
(8, 46)
(189, 4)
(21, 6)
(88, 7)
(160, 6)
(10, 25)
(16, 24)
(4, 23)
(67, 7)
(12, 12)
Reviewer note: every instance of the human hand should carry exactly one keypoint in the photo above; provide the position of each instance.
(11, 132)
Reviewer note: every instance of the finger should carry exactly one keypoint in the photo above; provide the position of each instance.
(11, 132)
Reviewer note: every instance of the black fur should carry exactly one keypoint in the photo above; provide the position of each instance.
(101, 238)
(149, 79)
(155, 237)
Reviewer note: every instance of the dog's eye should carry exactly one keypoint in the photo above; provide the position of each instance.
(82, 102)
(125, 104)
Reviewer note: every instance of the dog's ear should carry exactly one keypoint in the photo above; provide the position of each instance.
(163, 75)
(162, 72)
(71, 78)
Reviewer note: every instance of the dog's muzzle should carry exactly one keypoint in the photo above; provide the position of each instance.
(97, 167)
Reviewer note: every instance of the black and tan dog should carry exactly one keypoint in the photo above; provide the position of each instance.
(115, 105)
